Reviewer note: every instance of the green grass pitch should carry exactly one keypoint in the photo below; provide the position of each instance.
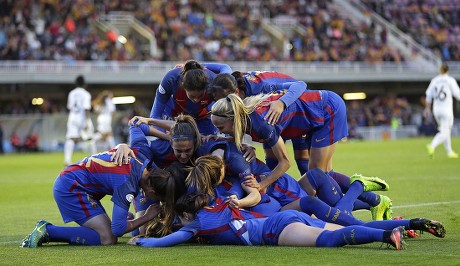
(419, 187)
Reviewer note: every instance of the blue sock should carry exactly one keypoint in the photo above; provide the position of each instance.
(312, 205)
(135, 232)
(350, 235)
(326, 188)
(77, 235)
(346, 203)
(370, 198)
(341, 179)
(388, 224)
(361, 205)
(302, 165)
(271, 163)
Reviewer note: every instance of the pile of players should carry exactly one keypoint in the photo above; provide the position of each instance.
(199, 178)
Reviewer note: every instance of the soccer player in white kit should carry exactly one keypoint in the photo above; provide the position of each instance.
(105, 108)
(79, 124)
(440, 93)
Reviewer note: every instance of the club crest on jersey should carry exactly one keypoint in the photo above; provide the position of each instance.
(130, 197)
(161, 89)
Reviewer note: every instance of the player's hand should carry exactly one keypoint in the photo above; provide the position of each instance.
(250, 181)
(133, 240)
(138, 120)
(152, 211)
(249, 152)
(234, 201)
(273, 115)
(207, 138)
(426, 113)
(122, 154)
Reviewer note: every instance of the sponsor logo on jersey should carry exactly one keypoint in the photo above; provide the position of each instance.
(130, 197)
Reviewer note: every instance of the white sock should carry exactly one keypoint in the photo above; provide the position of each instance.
(68, 150)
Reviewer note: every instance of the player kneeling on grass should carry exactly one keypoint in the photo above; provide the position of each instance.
(80, 187)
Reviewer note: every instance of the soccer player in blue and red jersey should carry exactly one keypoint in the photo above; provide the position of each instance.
(247, 84)
(80, 187)
(183, 90)
(225, 225)
(252, 83)
(321, 115)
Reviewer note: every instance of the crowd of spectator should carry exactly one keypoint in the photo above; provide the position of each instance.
(435, 24)
(225, 30)
(381, 110)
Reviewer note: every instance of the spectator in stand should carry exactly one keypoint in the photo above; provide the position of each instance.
(16, 142)
(31, 142)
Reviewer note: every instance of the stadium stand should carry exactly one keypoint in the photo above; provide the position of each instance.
(348, 45)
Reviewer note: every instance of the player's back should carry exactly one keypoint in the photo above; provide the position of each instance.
(441, 90)
(79, 100)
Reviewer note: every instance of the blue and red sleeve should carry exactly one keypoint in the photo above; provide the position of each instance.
(163, 94)
(218, 68)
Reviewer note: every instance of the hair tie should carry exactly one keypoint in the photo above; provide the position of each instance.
(183, 137)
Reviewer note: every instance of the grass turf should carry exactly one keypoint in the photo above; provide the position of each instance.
(419, 187)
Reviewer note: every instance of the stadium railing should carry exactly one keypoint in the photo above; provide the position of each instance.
(145, 72)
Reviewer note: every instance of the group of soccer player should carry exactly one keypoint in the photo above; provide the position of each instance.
(199, 178)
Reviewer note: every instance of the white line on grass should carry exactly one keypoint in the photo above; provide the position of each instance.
(425, 204)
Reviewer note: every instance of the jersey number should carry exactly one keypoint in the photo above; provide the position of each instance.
(440, 94)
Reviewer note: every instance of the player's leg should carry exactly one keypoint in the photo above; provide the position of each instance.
(301, 148)
(356, 235)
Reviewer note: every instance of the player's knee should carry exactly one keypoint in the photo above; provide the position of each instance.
(108, 239)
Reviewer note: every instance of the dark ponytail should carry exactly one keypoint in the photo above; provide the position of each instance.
(193, 76)
(190, 203)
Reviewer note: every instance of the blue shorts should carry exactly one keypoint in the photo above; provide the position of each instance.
(286, 190)
(75, 204)
(276, 223)
(335, 125)
(267, 206)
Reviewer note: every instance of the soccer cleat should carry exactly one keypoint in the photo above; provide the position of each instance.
(38, 236)
(409, 233)
(452, 155)
(383, 210)
(396, 238)
(370, 183)
(430, 151)
(425, 225)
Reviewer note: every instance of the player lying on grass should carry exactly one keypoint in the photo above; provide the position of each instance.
(225, 225)
(285, 189)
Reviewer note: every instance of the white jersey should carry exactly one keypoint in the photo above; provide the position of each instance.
(440, 92)
(78, 102)
(104, 119)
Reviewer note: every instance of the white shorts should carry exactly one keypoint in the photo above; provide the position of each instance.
(104, 124)
(76, 126)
